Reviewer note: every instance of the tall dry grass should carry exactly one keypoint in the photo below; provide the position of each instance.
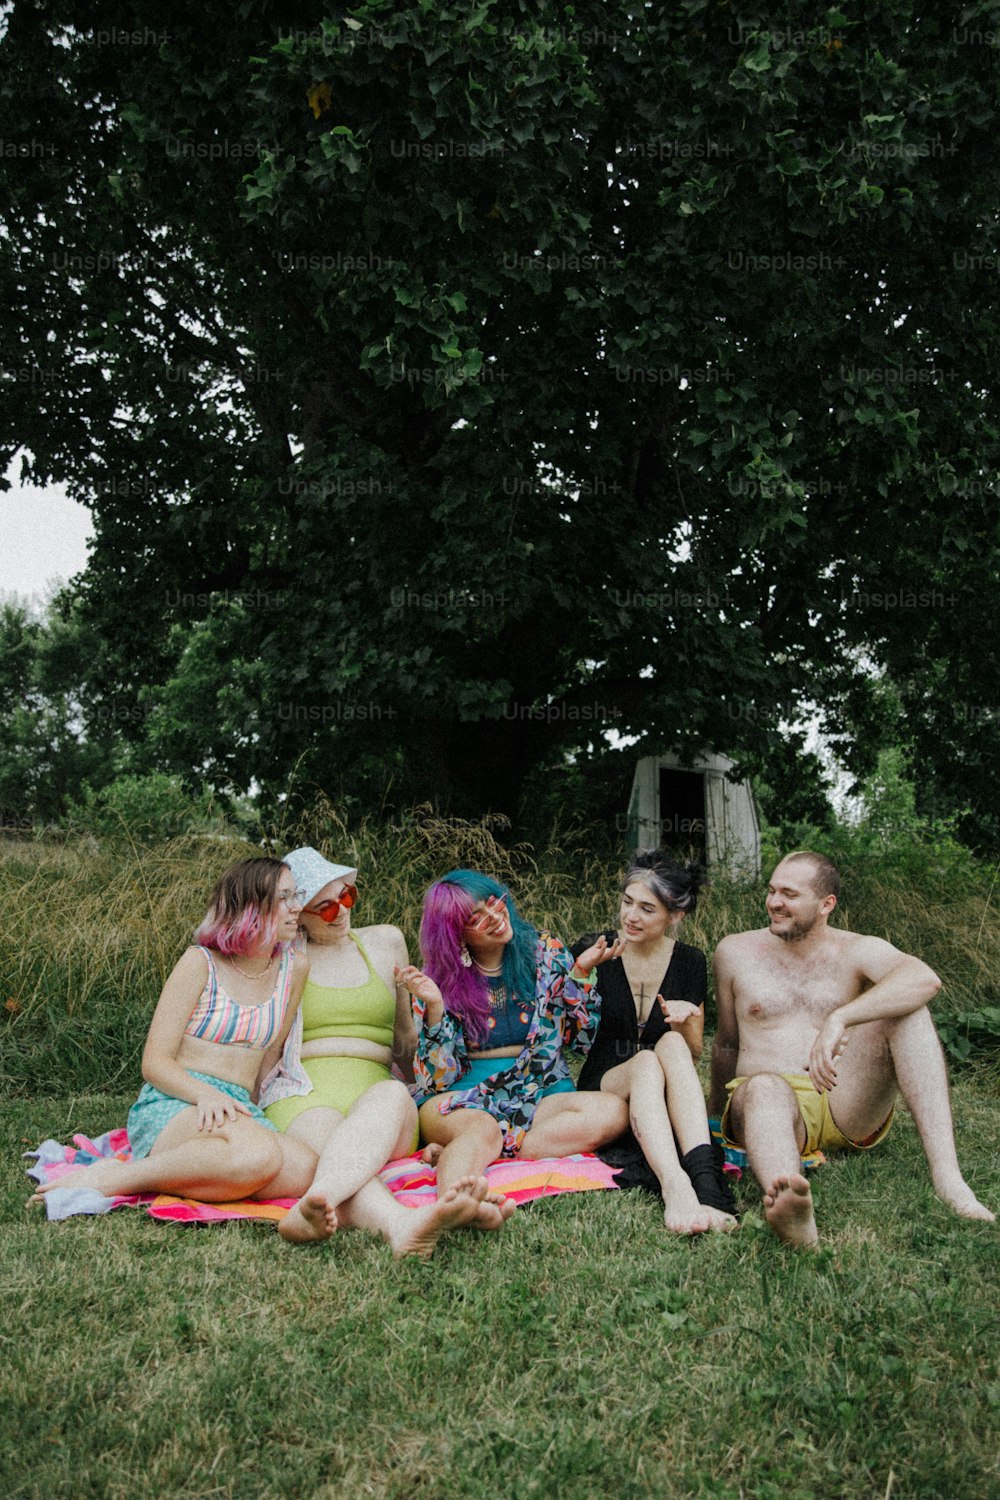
(93, 928)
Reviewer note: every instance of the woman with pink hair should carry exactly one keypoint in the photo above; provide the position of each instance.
(496, 1005)
(219, 1025)
(219, 1029)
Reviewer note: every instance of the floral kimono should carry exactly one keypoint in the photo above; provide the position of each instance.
(566, 1014)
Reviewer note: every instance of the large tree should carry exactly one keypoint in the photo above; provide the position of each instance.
(453, 384)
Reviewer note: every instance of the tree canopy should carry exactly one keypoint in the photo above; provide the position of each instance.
(454, 384)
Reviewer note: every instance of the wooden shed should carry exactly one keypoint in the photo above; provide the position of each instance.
(693, 807)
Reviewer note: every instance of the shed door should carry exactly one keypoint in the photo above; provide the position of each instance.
(682, 813)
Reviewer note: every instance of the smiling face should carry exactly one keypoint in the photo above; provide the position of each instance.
(482, 929)
(794, 908)
(318, 930)
(643, 918)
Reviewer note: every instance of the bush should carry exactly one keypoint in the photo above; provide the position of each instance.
(147, 809)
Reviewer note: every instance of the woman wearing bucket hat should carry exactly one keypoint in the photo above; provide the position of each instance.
(333, 1089)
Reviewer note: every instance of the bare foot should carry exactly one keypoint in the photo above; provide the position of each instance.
(422, 1228)
(788, 1208)
(431, 1154)
(313, 1218)
(962, 1200)
(682, 1213)
(494, 1211)
(719, 1220)
(99, 1177)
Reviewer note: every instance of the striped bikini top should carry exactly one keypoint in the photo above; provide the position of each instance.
(218, 1018)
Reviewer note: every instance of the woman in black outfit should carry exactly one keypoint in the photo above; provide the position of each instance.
(650, 1036)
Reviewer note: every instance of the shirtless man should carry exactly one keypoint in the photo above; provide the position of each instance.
(805, 1009)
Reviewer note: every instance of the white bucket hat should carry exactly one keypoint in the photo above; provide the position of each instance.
(312, 872)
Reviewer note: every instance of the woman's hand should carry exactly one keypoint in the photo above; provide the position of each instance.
(676, 1011)
(598, 953)
(216, 1110)
(420, 984)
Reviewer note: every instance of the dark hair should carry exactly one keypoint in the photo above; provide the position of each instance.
(243, 912)
(675, 886)
(825, 876)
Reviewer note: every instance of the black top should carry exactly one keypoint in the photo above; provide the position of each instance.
(618, 1036)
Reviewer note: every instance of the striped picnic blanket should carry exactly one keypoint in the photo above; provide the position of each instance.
(410, 1179)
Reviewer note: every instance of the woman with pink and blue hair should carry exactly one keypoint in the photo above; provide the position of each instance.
(497, 1004)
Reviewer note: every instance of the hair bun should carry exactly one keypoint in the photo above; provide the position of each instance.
(674, 884)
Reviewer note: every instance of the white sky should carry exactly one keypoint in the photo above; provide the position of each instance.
(43, 540)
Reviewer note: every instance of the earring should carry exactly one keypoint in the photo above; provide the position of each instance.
(465, 958)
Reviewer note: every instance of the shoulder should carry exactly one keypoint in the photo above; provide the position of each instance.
(864, 951)
(690, 957)
(550, 950)
(192, 964)
(690, 953)
(381, 935)
(300, 964)
(738, 944)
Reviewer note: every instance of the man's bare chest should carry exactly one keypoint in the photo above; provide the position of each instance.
(774, 991)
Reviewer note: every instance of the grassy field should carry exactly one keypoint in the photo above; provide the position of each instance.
(579, 1353)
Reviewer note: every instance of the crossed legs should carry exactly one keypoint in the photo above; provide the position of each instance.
(345, 1189)
(562, 1124)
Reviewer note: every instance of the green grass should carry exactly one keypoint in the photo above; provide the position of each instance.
(579, 1353)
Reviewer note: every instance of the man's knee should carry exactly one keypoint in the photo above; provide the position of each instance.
(759, 1095)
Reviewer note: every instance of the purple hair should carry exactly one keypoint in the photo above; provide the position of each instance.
(243, 913)
(448, 905)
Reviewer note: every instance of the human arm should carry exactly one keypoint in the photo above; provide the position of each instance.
(166, 1034)
(404, 1031)
(686, 1013)
(896, 985)
(725, 1047)
(273, 1054)
(570, 985)
(441, 1055)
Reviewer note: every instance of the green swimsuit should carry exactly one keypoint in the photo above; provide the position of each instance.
(366, 1011)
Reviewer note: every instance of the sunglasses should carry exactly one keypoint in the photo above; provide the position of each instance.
(329, 911)
(481, 921)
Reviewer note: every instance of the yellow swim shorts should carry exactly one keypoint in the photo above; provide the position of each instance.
(814, 1107)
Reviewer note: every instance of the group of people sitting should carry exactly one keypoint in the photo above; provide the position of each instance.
(291, 1055)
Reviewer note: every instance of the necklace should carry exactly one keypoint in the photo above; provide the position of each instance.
(251, 976)
(497, 995)
(484, 970)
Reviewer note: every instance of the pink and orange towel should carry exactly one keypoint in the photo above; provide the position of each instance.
(410, 1179)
